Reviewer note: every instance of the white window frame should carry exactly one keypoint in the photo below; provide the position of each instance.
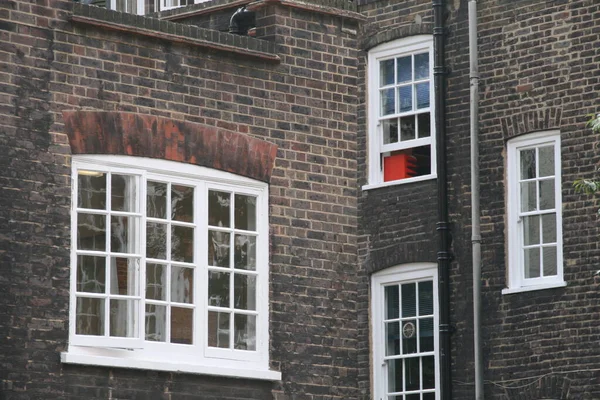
(406, 273)
(140, 9)
(396, 48)
(197, 357)
(515, 260)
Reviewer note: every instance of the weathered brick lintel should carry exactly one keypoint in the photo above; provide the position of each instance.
(531, 121)
(121, 133)
(181, 33)
(397, 33)
(311, 6)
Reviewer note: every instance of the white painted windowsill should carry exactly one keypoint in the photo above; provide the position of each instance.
(169, 366)
(398, 182)
(531, 288)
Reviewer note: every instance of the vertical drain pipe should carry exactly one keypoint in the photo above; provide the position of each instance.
(475, 212)
(443, 255)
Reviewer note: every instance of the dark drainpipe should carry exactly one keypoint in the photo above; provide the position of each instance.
(443, 228)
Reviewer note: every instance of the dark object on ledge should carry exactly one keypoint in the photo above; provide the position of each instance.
(241, 21)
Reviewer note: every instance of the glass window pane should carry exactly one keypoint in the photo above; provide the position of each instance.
(549, 258)
(428, 372)
(218, 208)
(386, 72)
(546, 154)
(413, 396)
(409, 302)
(549, 228)
(422, 66)
(156, 240)
(123, 318)
(91, 232)
(155, 281)
(392, 334)
(91, 274)
(89, 319)
(527, 163)
(547, 194)
(123, 193)
(407, 128)
(91, 190)
(532, 263)
(182, 203)
(409, 337)
(218, 249)
(426, 334)
(218, 289)
(156, 200)
(388, 102)
(182, 284)
(392, 301)
(426, 298)
(412, 378)
(244, 332)
(528, 196)
(390, 131)
(122, 239)
(156, 323)
(245, 212)
(422, 94)
(429, 396)
(124, 276)
(394, 368)
(244, 291)
(182, 244)
(182, 325)
(245, 252)
(424, 122)
(404, 69)
(405, 98)
(531, 230)
(218, 329)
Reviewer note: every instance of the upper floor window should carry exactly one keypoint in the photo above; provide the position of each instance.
(169, 267)
(147, 6)
(534, 212)
(401, 130)
(405, 332)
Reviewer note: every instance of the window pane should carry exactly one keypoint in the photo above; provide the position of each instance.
(424, 122)
(405, 98)
(182, 203)
(390, 131)
(244, 332)
(549, 228)
(409, 337)
(422, 94)
(386, 72)
(426, 334)
(245, 212)
(218, 208)
(89, 316)
(404, 69)
(388, 102)
(528, 196)
(412, 377)
(244, 287)
(182, 284)
(91, 274)
(245, 252)
(91, 190)
(428, 372)
(156, 240)
(531, 230)
(409, 303)
(428, 396)
(394, 368)
(156, 200)
(422, 66)
(549, 258)
(426, 298)
(156, 323)
(527, 164)
(182, 328)
(155, 281)
(218, 249)
(407, 128)
(413, 397)
(91, 232)
(547, 194)
(122, 237)
(218, 289)
(392, 334)
(546, 160)
(392, 301)
(182, 244)
(123, 193)
(123, 318)
(218, 329)
(123, 276)
(532, 263)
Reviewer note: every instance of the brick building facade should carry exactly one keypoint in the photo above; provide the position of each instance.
(319, 279)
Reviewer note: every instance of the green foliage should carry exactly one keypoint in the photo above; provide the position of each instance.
(589, 186)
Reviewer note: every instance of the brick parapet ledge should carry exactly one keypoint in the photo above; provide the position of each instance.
(181, 33)
(122, 133)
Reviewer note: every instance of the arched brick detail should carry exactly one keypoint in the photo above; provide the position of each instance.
(380, 259)
(531, 121)
(397, 33)
(550, 387)
(121, 133)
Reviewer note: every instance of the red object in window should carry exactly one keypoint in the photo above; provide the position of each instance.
(399, 166)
